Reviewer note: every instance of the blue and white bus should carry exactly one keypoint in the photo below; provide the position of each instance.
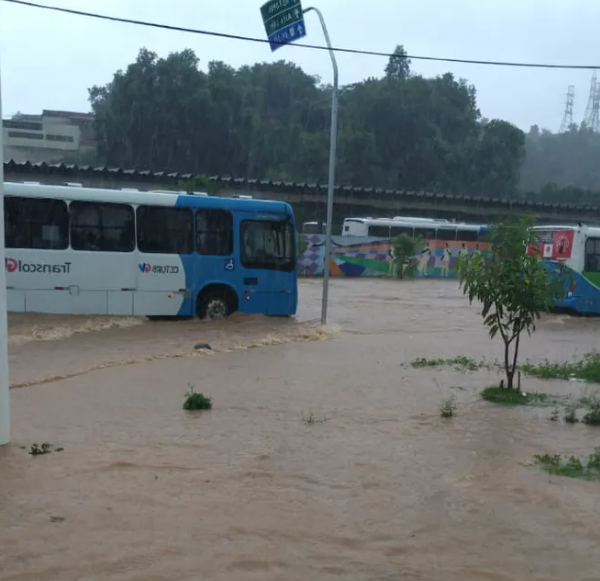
(89, 251)
(573, 251)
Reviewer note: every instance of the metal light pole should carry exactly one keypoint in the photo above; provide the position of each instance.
(4, 389)
(332, 156)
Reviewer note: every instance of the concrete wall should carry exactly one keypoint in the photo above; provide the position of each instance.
(309, 202)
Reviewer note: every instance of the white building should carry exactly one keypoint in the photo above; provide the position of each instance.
(53, 136)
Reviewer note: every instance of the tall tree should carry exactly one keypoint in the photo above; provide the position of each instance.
(398, 66)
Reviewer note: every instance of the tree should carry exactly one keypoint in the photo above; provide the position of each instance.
(271, 121)
(398, 66)
(198, 183)
(512, 285)
(404, 248)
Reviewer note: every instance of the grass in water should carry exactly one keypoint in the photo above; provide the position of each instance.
(311, 419)
(505, 396)
(460, 363)
(587, 369)
(572, 467)
(448, 407)
(195, 400)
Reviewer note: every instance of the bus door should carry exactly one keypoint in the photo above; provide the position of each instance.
(589, 295)
(267, 257)
(215, 259)
(165, 261)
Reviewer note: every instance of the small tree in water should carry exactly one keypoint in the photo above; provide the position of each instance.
(513, 286)
(403, 262)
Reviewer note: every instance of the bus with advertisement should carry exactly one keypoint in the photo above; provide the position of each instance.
(573, 251)
(90, 251)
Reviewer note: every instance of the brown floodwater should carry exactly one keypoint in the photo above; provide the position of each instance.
(379, 488)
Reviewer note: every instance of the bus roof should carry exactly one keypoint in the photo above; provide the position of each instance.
(555, 227)
(415, 222)
(130, 196)
(587, 230)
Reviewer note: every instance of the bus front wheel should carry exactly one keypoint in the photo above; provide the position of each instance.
(216, 303)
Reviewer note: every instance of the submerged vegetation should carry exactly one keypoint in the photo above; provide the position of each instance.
(501, 395)
(460, 363)
(587, 368)
(586, 468)
(448, 407)
(195, 400)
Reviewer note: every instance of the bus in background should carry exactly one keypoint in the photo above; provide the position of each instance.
(574, 251)
(313, 228)
(89, 251)
(425, 228)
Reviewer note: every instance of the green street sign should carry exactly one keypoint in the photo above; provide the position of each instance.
(284, 22)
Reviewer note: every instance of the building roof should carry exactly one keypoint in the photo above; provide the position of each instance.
(70, 172)
(68, 115)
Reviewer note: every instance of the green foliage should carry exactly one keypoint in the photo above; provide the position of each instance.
(460, 363)
(198, 183)
(573, 467)
(195, 400)
(512, 286)
(398, 66)
(587, 368)
(504, 396)
(592, 416)
(271, 120)
(302, 245)
(405, 247)
(562, 166)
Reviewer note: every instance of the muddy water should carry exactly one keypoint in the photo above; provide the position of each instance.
(383, 489)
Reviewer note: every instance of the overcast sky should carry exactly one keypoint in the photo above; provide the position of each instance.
(48, 60)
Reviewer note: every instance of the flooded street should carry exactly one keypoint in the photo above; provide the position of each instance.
(378, 488)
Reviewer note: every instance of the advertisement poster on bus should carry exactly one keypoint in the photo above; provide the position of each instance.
(558, 247)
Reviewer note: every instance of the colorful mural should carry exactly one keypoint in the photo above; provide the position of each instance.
(357, 256)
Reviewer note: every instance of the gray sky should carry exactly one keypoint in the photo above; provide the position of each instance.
(48, 60)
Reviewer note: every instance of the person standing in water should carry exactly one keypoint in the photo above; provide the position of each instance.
(446, 256)
(424, 260)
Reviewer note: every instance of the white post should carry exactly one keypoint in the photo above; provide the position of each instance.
(4, 389)
(332, 156)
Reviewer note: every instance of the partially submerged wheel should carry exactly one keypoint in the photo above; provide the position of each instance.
(217, 303)
(216, 307)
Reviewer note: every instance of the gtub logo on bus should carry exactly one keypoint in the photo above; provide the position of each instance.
(13, 265)
(158, 269)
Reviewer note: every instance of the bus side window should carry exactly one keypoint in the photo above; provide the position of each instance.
(397, 230)
(592, 255)
(446, 234)
(164, 230)
(267, 245)
(425, 233)
(467, 235)
(379, 231)
(36, 223)
(214, 232)
(102, 227)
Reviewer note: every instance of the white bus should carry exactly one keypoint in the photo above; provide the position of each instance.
(425, 228)
(89, 251)
(313, 228)
(573, 251)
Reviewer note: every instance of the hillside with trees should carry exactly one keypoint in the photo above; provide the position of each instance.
(271, 121)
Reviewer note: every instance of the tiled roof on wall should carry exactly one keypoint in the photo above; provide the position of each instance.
(71, 171)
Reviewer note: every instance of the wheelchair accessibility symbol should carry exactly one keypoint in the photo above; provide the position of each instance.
(229, 264)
